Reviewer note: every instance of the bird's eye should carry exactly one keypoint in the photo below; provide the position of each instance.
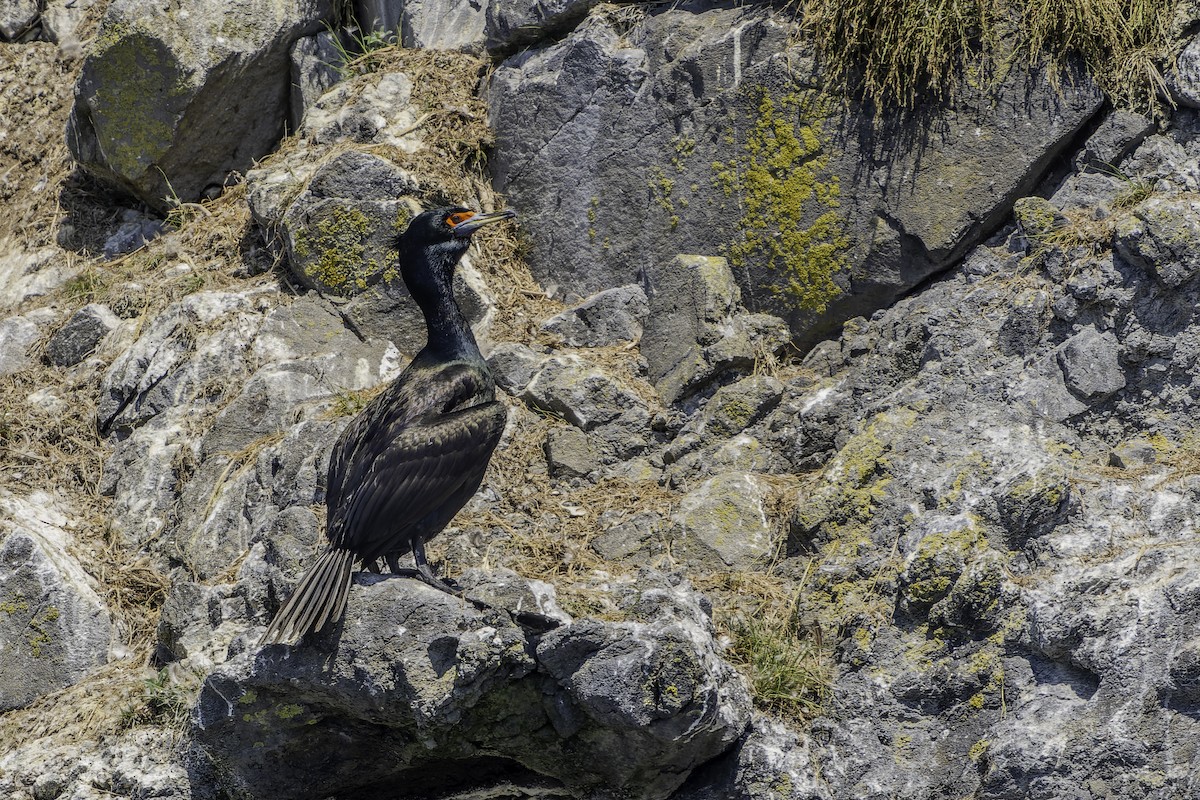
(459, 217)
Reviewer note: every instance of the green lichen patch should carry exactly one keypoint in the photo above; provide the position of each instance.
(331, 249)
(939, 560)
(789, 201)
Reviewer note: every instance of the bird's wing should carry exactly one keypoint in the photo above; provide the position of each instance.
(410, 475)
(411, 397)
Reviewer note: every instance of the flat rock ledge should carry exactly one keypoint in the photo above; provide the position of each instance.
(420, 690)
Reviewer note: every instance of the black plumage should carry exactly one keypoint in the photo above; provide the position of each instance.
(417, 453)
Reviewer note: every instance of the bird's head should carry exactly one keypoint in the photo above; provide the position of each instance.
(435, 240)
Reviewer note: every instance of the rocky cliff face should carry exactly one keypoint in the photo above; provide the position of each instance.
(947, 551)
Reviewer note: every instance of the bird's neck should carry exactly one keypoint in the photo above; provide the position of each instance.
(450, 335)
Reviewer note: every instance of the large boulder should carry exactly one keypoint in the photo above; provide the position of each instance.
(459, 697)
(706, 130)
(174, 97)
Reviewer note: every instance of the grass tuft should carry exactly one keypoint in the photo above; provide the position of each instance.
(897, 51)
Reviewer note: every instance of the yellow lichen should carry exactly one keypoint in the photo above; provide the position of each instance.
(789, 201)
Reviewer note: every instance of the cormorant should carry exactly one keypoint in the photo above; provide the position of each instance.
(416, 454)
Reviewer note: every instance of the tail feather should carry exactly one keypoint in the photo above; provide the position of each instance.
(319, 598)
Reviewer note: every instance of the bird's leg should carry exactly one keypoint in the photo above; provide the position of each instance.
(425, 572)
(393, 563)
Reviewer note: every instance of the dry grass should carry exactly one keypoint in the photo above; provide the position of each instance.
(896, 51)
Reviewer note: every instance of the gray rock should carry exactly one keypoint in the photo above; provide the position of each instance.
(443, 25)
(1119, 135)
(1183, 79)
(735, 407)
(17, 17)
(378, 16)
(54, 628)
(372, 109)
(620, 123)
(513, 365)
(134, 232)
(630, 707)
(209, 97)
(581, 393)
(605, 318)
(1161, 236)
(75, 340)
(60, 18)
(315, 61)
(569, 453)
(1091, 366)
(514, 23)
(694, 331)
(1133, 453)
(1037, 219)
(723, 524)
(627, 537)
(771, 762)
(18, 335)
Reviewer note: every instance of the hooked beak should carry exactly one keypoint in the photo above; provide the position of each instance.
(479, 220)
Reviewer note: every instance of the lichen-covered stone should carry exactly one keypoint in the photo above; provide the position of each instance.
(705, 129)
(723, 524)
(171, 99)
(1161, 235)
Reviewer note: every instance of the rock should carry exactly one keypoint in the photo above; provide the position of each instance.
(75, 340)
(627, 537)
(1160, 236)
(694, 332)
(1119, 135)
(647, 130)
(513, 365)
(569, 453)
(1090, 365)
(723, 524)
(1037, 218)
(134, 232)
(167, 130)
(54, 629)
(16, 18)
(582, 394)
(606, 318)
(339, 232)
(372, 109)
(447, 689)
(735, 407)
(514, 23)
(18, 335)
(1183, 80)
(435, 25)
(315, 64)
(1132, 454)
(771, 761)
(60, 18)
(25, 275)
(255, 383)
